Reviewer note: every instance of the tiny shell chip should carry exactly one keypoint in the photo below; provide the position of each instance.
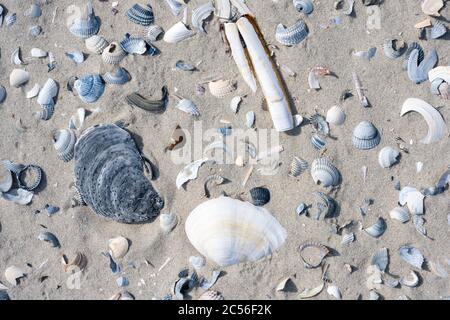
(2, 94)
(168, 221)
(118, 247)
(250, 119)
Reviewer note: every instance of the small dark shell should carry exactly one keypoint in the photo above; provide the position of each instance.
(260, 196)
(49, 237)
(136, 100)
(36, 175)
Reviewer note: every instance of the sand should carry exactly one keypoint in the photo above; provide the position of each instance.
(79, 229)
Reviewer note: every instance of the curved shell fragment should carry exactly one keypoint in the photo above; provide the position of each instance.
(189, 172)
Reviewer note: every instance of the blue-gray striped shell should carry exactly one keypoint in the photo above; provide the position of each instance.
(109, 174)
(292, 35)
(86, 25)
(47, 111)
(377, 229)
(394, 48)
(304, 6)
(411, 47)
(260, 196)
(90, 87)
(64, 143)
(317, 142)
(118, 76)
(133, 45)
(365, 136)
(11, 19)
(2, 94)
(29, 178)
(437, 31)
(142, 15)
(34, 31)
(418, 70)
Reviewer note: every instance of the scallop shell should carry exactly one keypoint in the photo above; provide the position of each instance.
(411, 280)
(317, 142)
(387, 157)
(303, 6)
(188, 106)
(200, 14)
(312, 254)
(211, 295)
(141, 14)
(34, 11)
(118, 76)
(348, 238)
(167, 221)
(394, 48)
(189, 172)
(19, 196)
(96, 44)
(177, 33)
(29, 178)
(260, 196)
(2, 94)
(86, 25)
(113, 53)
(48, 92)
(34, 31)
(38, 53)
(221, 88)
(250, 119)
(411, 256)
(336, 116)
(412, 198)
(298, 166)
(89, 88)
(13, 167)
(109, 175)
(380, 259)
(335, 292)
(365, 136)
(292, 35)
(400, 214)
(323, 172)
(377, 229)
(18, 77)
(64, 143)
(229, 231)
(133, 45)
(13, 275)
(118, 247)
(6, 179)
(153, 33)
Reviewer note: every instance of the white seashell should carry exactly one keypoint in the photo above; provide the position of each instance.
(38, 53)
(268, 76)
(48, 91)
(189, 172)
(411, 280)
(234, 104)
(64, 143)
(413, 199)
(250, 119)
(434, 120)
(19, 196)
(229, 231)
(133, 45)
(336, 116)
(188, 106)
(441, 72)
(33, 92)
(400, 214)
(377, 229)
(118, 247)
(153, 33)
(303, 6)
(200, 14)
(177, 33)
(239, 55)
(10, 19)
(241, 7)
(223, 9)
(6, 179)
(373, 295)
(323, 172)
(311, 292)
(292, 35)
(167, 221)
(197, 262)
(13, 274)
(347, 238)
(76, 56)
(411, 256)
(387, 157)
(18, 77)
(221, 88)
(96, 44)
(335, 292)
(282, 284)
(419, 166)
(113, 53)
(365, 136)
(432, 7)
(298, 120)
(15, 57)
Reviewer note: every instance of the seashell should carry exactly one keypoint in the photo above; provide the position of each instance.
(167, 221)
(234, 104)
(113, 53)
(122, 282)
(434, 120)
(390, 282)
(136, 100)
(212, 179)
(77, 263)
(118, 76)
(118, 247)
(298, 166)
(50, 238)
(317, 142)
(394, 48)
(89, 88)
(438, 30)
(441, 72)
(323, 172)
(411, 256)
(419, 222)
(177, 33)
(141, 14)
(412, 198)
(367, 55)
(252, 232)
(438, 269)
(133, 45)
(96, 44)
(260, 196)
(52, 61)
(373, 295)
(302, 207)
(51, 210)
(153, 33)
(432, 7)
(309, 293)
(184, 66)
(34, 11)
(29, 177)
(6, 179)
(291, 35)
(283, 283)
(326, 205)
(18, 77)
(109, 175)
(312, 254)
(400, 214)
(2, 94)
(347, 238)
(411, 280)
(320, 124)
(19, 196)
(336, 116)
(47, 111)
(10, 19)
(38, 53)
(211, 295)
(14, 274)
(335, 292)
(298, 120)
(15, 168)
(189, 172)
(76, 56)
(15, 57)
(380, 259)
(221, 88)
(303, 6)
(365, 136)
(175, 6)
(64, 143)
(197, 262)
(188, 106)
(250, 119)
(387, 157)
(377, 229)
(200, 14)
(34, 31)
(417, 69)
(360, 91)
(86, 25)
(48, 92)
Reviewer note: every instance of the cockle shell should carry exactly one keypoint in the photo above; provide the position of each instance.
(96, 44)
(365, 136)
(211, 295)
(90, 87)
(18, 77)
(133, 45)
(64, 143)
(86, 25)
(260, 196)
(13, 274)
(167, 221)
(141, 14)
(418, 69)
(336, 116)
(118, 247)
(189, 172)
(177, 33)
(323, 172)
(347, 238)
(318, 142)
(221, 88)
(292, 35)
(303, 6)
(29, 177)
(298, 166)
(438, 30)
(229, 231)
(312, 254)
(380, 259)
(48, 92)
(399, 213)
(377, 229)
(394, 48)
(411, 280)
(200, 14)
(413, 198)
(153, 33)
(188, 106)
(387, 157)
(38, 53)
(411, 256)
(118, 76)
(113, 53)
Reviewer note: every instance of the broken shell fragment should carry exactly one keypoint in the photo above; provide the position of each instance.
(64, 143)
(118, 247)
(213, 179)
(413, 198)
(380, 259)
(298, 166)
(14, 274)
(377, 229)
(348, 238)
(18, 77)
(335, 292)
(250, 119)
(303, 6)
(136, 100)
(33, 92)
(188, 106)
(6, 179)
(387, 157)
(312, 254)
(177, 33)
(19, 196)
(282, 284)
(221, 88)
(234, 104)
(77, 263)
(189, 172)
(153, 33)
(365, 136)
(38, 53)
(411, 256)
(211, 295)
(200, 14)
(400, 214)
(394, 48)
(432, 7)
(411, 280)
(96, 44)
(292, 35)
(260, 196)
(325, 173)
(168, 221)
(309, 293)
(50, 238)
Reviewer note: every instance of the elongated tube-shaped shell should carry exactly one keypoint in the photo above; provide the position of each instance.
(239, 56)
(267, 75)
(229, 231)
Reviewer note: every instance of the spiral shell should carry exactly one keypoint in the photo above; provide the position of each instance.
(365, 136)
(292, 35)
(221, 88)
(323, 172)
(90, 87)
(113, 53)
(64, 143)
(142, 15)
(96, 44)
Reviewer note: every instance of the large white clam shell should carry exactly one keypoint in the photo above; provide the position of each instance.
(18, 77)
(336, 116)
(387, 157)
(229, 231)
(177, 33)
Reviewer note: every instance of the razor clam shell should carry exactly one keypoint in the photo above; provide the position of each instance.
(387, 157)
(418, 70)
(365, 136)
(37, 175)
(213, 179)
(250, 119)
(303, 6)
(211, 295)
(64, 143)
(18, 77)
(411, 255)
(394, 48)
(292, 35)
(323, 172)
(167, 221)
(380, 259)
(189, 172)
(411, 280)
(316, 258)
(200, 14)
(153, 33)
(13, 274)
(2, 94)
(119, 76)
(96, 44)
(334, 291)
(141, 14)
(260, 196)
(118, 247)
(400, 214)
(377, 229)
(50, 238)
(309, 293)
(177, 33)
(347, 238)
(136, 100)
(298, 166)
(317, 142)
(113, 53)
(38, 53)
(336, 116)
(19, 196)
(221, 88)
